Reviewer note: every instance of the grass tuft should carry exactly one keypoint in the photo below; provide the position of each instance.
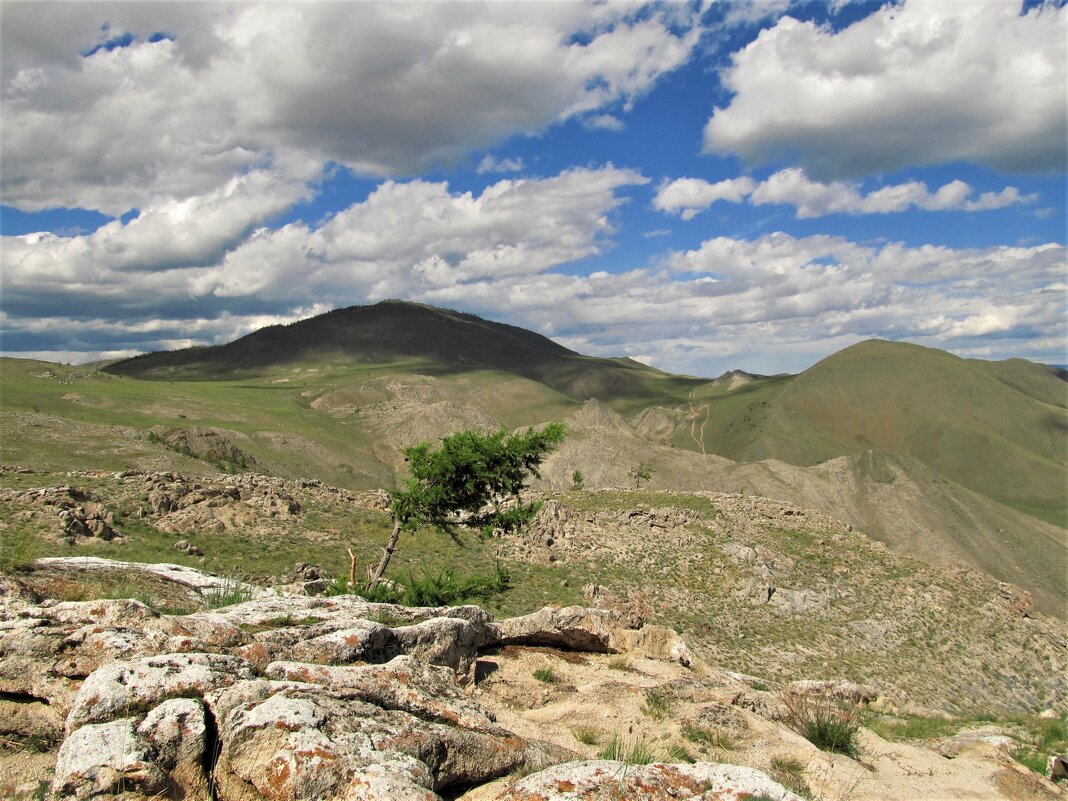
(545, 674)
(828, 724)
(657, 705)
(587, 735)
(632, 752)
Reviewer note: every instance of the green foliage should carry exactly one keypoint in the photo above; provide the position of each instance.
(578, 481)
(545, 674)
(469, 472)
(470, 480)
(790, 773)
(447, 588)
(641, 472)
(678, 753)
(657, 705)
(587, 735)
(444, 588)
(1048, 737)
(828, 724)
(712, 738)
(634, 752)
(232, 592)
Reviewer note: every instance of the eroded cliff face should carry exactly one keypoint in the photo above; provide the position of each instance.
(295, 697)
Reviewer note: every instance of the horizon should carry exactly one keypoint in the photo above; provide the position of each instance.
(751, 185)
(104, 362)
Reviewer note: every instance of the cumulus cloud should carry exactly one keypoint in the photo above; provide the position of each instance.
(687, 197)
(912, 84)
(491, 164)
(403, 240)
(383, 88)
(763, 304)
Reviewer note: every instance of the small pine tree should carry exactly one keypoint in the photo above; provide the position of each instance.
(466, 481)
(642, 472)
(577, 480)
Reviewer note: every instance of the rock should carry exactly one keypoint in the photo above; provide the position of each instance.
(575, 628)
(106, 759)
(1057, 767)
(140, 684)
(449, 642)
(177, 732)
(328, 740)
(839, 690)
(600, 779)
(653, 642)
(965, 741)
(363, 641)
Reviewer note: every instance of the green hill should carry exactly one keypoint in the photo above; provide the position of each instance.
(933, 454)
(445, 341)
(997, 428)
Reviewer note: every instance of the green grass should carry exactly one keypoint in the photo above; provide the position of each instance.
(633, 752)
(709, 737)
(587, 735)
(545, 674)
(657, 705)
(790, 774)
(828, 724)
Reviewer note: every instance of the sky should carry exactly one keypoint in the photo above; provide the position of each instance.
(702, 187)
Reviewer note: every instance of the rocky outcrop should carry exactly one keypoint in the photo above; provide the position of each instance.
(281, 697)
(701, 781)
(80, 513)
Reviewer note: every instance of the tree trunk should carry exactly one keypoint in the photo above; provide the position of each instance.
(387, 554)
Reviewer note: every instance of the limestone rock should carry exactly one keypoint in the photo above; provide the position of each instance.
(965, 741)
(105, 759)
(177, 732)
(574, 627)
(140, 684)
(839, 690)
(599, 779)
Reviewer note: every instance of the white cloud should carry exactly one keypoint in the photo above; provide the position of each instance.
(491, 164)
(405, 239)
(603, 122)
(383, 88)
(765, 304)
(912, 84)
(689, 196)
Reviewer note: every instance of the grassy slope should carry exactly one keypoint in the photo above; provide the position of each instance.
(944, 637)
(996, 428)
(344, 424)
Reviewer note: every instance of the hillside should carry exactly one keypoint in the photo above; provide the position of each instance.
(950, 459)
(441, 340)
(997, 428)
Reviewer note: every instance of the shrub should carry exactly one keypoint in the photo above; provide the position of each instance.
(828, 724)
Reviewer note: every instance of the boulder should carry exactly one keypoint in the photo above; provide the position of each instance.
(106, 759)
(177, 731)
(575, 628)
(141, 684)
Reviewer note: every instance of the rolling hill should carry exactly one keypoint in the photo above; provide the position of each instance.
(444, 341)
(951, 459)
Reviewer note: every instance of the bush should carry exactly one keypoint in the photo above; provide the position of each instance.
(828, 724)
(445, 588)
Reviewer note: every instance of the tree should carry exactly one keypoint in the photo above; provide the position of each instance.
(577, 480)
(643, 472)
(471, 480)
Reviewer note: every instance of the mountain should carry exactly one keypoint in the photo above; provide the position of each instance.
(444, 341)
(997, 428)
(951, 459)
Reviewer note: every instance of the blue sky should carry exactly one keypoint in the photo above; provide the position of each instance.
(704, 187)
